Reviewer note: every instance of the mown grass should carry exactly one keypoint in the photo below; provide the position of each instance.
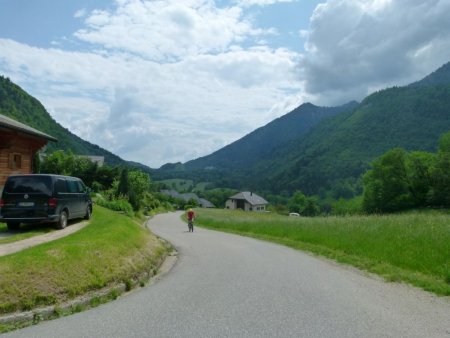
(26, 231)
(111, 249)
(413, 247)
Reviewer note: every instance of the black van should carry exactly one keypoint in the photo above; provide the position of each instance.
(44, 198)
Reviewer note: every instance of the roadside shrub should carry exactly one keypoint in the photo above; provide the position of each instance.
(346, 207)
(120, 205)
(96, 186)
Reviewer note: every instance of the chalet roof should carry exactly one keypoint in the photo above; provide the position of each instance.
(250, 197)
(205, 203)
(9, 123)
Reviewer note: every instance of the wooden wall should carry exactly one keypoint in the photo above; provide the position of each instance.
(23, 145)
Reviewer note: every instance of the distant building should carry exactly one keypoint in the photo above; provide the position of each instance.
(100, 160)
(19, 144)
(246, 201)
(205, 203)
(189, 196)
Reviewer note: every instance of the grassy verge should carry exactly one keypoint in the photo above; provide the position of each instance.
(26, 231)
(111, 249)
(412, 247)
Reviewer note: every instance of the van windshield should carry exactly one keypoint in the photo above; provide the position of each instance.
(29, 185)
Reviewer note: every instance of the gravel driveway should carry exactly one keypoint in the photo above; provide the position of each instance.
(9, 248)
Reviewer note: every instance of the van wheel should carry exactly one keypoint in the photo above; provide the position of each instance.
(88, 214)
(13, 226)
(62, 223)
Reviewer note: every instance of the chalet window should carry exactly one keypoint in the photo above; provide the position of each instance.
(15, 161)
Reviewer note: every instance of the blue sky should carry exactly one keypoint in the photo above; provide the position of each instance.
(167, 81)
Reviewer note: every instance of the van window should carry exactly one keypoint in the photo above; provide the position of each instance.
(72, 186)
(81, 186)
(60, 185)
(29, 185)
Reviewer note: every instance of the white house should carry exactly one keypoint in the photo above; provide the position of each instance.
(246, 201)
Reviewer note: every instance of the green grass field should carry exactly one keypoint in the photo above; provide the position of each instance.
(112, 248)
(412, 247)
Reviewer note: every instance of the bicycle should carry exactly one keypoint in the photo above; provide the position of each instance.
(191, 225)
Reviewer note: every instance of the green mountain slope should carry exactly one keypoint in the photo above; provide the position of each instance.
(332, 154)
(440, 76)
(342, 148)
(259, 144)
(20, 106)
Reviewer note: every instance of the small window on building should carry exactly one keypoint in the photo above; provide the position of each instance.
(15, 161)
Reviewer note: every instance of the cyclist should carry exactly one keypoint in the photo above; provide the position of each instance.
(190, 218)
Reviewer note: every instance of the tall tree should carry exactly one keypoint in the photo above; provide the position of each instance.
(386, 187)
(419, 166)
(123, 186)
(440, 194)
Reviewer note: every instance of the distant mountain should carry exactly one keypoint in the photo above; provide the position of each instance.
(259, 144)
(20, 106)
(439, 77)
(342, 148)
(329, 155)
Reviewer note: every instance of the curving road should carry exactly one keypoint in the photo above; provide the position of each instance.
(230, 286)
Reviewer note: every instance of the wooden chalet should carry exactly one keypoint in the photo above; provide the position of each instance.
(19, 144)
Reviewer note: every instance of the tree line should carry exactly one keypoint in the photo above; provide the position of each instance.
(117, 188)
(402, 180)
(398, 180)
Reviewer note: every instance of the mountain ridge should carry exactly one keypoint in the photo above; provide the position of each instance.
(259, 143)
(333, 153)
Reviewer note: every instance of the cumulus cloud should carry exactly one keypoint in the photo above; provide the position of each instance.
(159, 81)
(167, 81)
(356, 46)
(247, 3)
(168, 30)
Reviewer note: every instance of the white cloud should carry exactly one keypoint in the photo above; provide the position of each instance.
(168, 30)
(151, 94)
(356, 46)
(247, 3)
(80, 13)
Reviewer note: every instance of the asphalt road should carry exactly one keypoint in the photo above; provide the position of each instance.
(230, 286)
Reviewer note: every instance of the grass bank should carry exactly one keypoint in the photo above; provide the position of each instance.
(412, 247)
(112, 248)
